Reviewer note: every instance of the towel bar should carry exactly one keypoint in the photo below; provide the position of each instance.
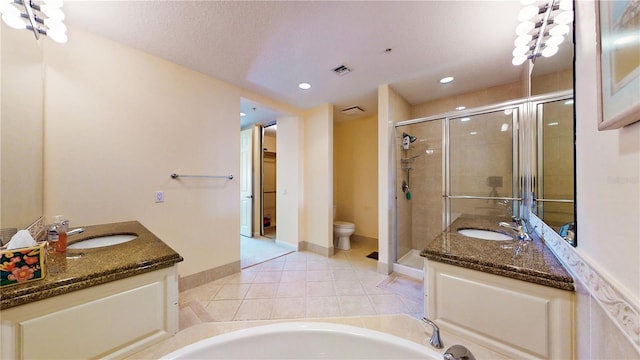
(175, 176)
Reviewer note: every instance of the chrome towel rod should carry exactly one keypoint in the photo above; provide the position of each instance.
(230, 177)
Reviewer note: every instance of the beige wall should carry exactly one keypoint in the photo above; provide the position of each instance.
(608, 207)
(21, 129)
(489, 96)
(391, 109)
(290, 185)
(118, 122)
(318, 178)
(355, 174)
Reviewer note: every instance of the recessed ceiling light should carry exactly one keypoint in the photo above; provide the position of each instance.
(243, 114)
(304, 86)
(461, 107)
(446, 80)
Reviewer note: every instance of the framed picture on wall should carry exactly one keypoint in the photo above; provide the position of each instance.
(618, 28)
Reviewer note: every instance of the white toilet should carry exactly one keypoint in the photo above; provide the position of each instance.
(342, 230)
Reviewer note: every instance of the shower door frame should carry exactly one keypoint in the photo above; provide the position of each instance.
(520, 118)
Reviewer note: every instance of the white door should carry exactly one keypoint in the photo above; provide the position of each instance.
(246, 183)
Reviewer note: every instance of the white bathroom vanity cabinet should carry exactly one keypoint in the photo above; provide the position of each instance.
(103, 302)
(107, 321)
(520, 319)
(517, 303)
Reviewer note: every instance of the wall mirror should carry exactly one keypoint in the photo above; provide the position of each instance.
(21, 129)
(553, 173)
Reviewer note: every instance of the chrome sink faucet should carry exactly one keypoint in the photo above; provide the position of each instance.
(517, 226)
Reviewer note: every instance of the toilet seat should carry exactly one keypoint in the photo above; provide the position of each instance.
(343, 224)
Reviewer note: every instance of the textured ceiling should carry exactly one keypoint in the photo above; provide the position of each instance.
(269, 47)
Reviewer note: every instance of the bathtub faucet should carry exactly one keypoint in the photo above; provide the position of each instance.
(435, 337)
(458, 352)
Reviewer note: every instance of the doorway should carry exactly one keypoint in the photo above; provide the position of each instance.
(269, 180)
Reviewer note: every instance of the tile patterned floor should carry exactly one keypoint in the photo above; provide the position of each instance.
(303, 285)
(259, 249)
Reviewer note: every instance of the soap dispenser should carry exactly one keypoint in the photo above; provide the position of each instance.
(57, 234)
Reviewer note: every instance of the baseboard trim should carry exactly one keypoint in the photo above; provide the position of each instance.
(286, 245)
(206, 276)
(317, 249)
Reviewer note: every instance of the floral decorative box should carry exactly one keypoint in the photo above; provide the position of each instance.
(18, 266)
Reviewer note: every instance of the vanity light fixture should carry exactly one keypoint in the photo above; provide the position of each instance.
(544, 23)
(446, 80)
(304, 86)
(43, 17)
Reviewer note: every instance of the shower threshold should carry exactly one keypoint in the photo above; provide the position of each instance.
(411, 264)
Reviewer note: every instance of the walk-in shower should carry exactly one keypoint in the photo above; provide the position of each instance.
(459, 163)
(467, 163)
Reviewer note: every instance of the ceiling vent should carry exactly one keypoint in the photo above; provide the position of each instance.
(341, 70)
(352, 111)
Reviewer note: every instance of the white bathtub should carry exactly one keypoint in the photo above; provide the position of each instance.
(305, 340)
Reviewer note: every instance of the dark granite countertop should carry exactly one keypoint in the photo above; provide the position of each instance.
(81, 269)
(537, 264)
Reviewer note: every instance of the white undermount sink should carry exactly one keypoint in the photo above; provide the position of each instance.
(102, 241)
(485, 234)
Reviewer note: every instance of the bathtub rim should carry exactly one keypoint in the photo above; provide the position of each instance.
(310, 326)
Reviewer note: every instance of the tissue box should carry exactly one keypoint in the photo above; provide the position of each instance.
(18, 266)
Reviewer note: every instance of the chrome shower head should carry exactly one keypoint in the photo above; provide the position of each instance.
(411, 138)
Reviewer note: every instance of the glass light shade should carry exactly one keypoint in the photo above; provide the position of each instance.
(528, 13)
(566, 5)
(559, 29)
(525, 27)
(14, 22)
(55, 25)
(549, 51)
(520, 50)
(523, 40)
(52, 12)
(58, 37)
(554, 40)
(7, 9)
(519, 60)
(565, 17)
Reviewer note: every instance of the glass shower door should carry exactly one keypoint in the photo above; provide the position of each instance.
(419, 177)
(483, 164)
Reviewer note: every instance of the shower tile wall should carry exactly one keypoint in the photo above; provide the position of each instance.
(420, 219)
